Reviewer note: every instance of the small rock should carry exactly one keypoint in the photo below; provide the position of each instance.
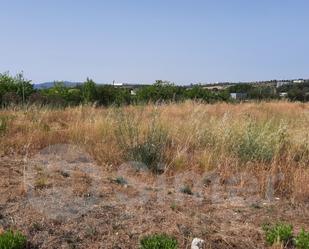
(197, 243)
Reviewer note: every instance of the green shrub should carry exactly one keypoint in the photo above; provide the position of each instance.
(261, 142)
(278, 234)
(146, 146)
(11, 240)
(150, 153)
(302, 240)
(158, 241)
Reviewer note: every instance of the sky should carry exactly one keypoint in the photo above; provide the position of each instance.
(140, 41)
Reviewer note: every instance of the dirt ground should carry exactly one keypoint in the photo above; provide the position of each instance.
(59, 198)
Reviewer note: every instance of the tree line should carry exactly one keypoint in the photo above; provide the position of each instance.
(15, 90)
(296, 92)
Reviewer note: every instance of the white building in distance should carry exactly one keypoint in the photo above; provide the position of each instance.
(282, 83)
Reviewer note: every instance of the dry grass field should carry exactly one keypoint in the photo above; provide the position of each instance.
(192, 170)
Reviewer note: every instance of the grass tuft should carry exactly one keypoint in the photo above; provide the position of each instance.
(260, 142)
(279, 234)
(158, 241)
(302, 240)
(12, 240)
(3, 125)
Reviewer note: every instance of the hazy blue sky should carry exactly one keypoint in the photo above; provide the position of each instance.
(141, 41)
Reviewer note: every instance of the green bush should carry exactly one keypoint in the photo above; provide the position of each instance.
(149, 152)
(158, 241)
(302, 240)
(278, 234)
(11, 240)
(145, 146)
(261, 142)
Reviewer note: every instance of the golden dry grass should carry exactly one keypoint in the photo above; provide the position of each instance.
(269, 140)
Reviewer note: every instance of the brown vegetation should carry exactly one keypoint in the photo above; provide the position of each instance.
(262, 138)
(218, 172)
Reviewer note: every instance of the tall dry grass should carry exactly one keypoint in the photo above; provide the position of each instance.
(261, 138)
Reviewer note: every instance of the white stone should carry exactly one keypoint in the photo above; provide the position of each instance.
(197, 243)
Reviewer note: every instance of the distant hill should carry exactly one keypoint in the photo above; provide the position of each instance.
(46, 85)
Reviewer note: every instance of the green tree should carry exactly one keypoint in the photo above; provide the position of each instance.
(57, 95)
(262, 93)
(74, 96)
(89, 91)
(199, 93)
(160, 91)
(24, 88)
(240, 88)
(15, 86)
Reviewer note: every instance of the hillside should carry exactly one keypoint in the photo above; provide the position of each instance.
(46, 85)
